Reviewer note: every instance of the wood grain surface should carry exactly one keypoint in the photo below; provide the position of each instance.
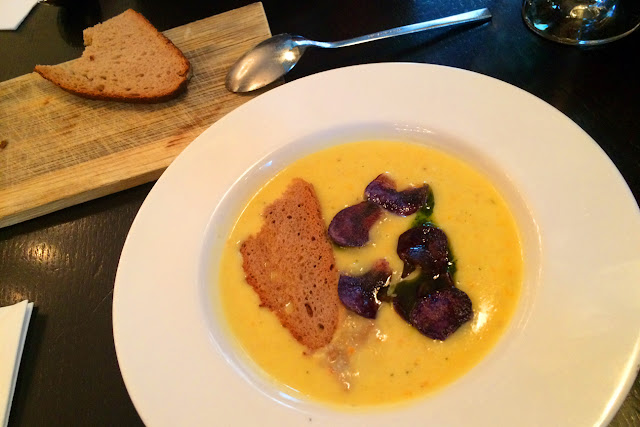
(57, 149)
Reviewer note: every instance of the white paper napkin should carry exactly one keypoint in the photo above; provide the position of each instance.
(14, 321)
(13, 12)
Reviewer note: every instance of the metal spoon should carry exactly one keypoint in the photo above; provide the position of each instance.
(274, 57)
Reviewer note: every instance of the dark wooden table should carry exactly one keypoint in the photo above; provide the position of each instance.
(66, 261)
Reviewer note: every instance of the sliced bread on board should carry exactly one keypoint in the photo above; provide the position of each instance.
(125, 59)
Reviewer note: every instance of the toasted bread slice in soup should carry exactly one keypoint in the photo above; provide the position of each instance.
(290, 265)
(125, 59)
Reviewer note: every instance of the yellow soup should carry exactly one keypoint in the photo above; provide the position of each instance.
(393, 362)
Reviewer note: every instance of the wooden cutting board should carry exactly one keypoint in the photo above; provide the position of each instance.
(57, 149)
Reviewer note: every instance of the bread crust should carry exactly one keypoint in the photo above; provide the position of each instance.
(169, 92)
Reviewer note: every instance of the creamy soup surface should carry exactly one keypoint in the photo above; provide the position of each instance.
(391, 362)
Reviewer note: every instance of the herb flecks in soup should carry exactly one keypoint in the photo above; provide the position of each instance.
(385, 360)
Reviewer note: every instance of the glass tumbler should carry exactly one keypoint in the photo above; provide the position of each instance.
(582, 22)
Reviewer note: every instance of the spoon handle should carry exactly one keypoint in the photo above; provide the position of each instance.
(463, 18)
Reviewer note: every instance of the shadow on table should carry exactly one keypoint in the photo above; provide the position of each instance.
(130, 199)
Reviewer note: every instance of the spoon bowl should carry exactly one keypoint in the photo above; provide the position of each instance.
(266, 63)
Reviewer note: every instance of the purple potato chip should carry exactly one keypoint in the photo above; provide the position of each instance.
(408, 292)
(400, 310)
(441, 313)
(359, 293)
(350, 227)
(426, 247)
(382, 191)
